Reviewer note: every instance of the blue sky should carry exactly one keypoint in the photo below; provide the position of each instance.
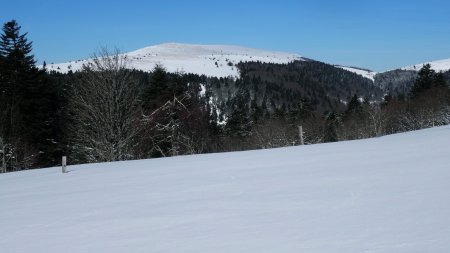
(378, 35)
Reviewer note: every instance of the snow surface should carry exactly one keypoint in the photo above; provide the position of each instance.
(442, 65)
(210, 60)
(362, 72)
(388, 194)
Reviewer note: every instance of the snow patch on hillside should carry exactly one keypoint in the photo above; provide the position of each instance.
(383, 195)
(362, 72)
(210, 60)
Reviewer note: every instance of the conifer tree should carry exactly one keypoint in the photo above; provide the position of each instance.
(330, 133)
(238, 123)
(16, 65)
(157, 93)
(439, 80)
(26, 100)
(424, 81)
(354, 106)
(256, 112)
(15, 46)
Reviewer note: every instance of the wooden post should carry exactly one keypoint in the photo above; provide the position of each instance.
(64, 164)
(300, 134)
(3, 147)
(3, 160)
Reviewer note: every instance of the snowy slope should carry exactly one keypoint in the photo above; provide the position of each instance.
(442, 65)
(210, 60)
(362, 72)
(387, 194)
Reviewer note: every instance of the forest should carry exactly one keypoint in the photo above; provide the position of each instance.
(109, 112)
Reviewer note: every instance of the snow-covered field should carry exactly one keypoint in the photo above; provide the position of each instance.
(388, 194)
(209, 60)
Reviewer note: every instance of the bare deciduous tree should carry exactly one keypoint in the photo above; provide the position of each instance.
(376, 120)
(274, 133)
(105, 109)
(168, 128)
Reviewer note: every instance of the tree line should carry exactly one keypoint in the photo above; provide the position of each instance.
(110, 112)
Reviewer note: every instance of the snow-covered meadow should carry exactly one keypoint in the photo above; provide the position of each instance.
(388, 194)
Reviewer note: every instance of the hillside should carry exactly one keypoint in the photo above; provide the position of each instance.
(234, 75)
(377, 195)
(209, 60)
(400, 81)
(440, 65)
(326, 87)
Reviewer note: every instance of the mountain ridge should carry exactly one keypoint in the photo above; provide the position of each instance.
(219, 60)
(209, 60)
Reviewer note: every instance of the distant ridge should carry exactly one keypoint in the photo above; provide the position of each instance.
(210, 60)
(220, 60)
(440, 65)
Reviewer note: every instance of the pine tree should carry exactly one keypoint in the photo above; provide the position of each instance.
(157, 93)
(301, 111)
(354, 106)
(424, 81)
(387, 99)
(16, 66)
(256, 112)
(238, 124)
(26, 100)
(15, 46)
(439, 80)
(330, 133)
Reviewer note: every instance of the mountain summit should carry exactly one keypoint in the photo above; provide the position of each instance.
(210, 60)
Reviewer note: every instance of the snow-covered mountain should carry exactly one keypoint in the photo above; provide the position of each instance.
(384, 195)
(441, 65)
(220, 60)
(210, 60)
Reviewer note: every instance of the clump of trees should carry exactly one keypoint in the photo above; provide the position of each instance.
(109, 112)
(28, 107)
(118, 114)
(175, 116)
(426, 105)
